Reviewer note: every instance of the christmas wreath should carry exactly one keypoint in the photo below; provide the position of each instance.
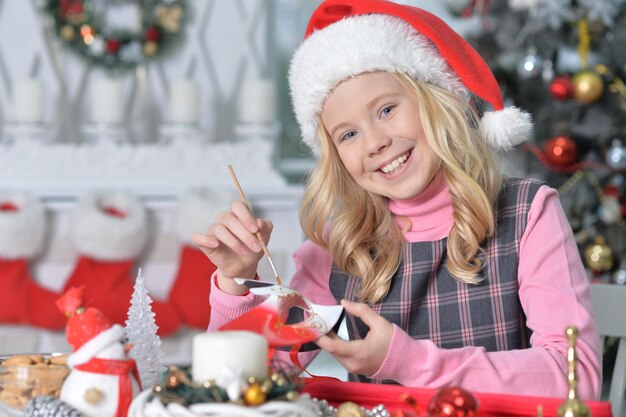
(81, 24)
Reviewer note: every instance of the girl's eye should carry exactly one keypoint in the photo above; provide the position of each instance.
(347, 136)
(386, 111)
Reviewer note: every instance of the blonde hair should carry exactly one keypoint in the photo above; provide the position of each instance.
(364, 239)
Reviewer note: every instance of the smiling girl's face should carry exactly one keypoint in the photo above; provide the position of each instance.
(373, 121)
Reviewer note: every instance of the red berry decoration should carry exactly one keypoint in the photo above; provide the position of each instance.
(561, 150)
(113, 46)
(561, 88)
(453, 402)
(152, 34)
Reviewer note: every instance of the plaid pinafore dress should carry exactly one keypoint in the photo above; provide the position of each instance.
(428, 303)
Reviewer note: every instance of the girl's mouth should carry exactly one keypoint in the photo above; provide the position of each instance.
(397, 164)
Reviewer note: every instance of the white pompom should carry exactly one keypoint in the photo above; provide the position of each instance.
(506, 128)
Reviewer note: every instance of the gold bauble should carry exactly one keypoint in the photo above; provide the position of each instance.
(67, 32)
(254, 395)
(150, 48)
(170, 17)
(175, 377)
(350, 409)
(588, 86)
(599, 256)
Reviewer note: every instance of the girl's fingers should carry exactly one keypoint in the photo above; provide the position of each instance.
(204, 241)
(241, 211)
(241, 232)
(226, 237)
(361, 310)
(266, 227)
(335, 345)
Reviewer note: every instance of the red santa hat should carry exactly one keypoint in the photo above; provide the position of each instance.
(347, 37)
(88, 330)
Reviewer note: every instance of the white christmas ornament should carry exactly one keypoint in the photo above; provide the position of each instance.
(141, 330)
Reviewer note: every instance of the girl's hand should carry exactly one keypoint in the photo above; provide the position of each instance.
(231, 244)
(361, 356)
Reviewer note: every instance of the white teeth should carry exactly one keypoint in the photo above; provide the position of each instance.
(393, 165)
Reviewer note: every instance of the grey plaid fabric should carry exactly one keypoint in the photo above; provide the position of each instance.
(428, 303)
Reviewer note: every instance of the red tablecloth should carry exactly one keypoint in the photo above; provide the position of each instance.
(490, 405)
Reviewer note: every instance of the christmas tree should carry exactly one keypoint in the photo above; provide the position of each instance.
(141, 331)
(564, 61)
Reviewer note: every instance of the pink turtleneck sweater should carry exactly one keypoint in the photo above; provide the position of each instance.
(553, 289)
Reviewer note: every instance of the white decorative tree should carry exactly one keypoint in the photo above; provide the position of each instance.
(141, 331)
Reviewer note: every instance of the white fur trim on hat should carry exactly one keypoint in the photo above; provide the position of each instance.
(197, 210)
(506, 128)
(355, 45)
(95, 345)
(22, 232)
(105, 237)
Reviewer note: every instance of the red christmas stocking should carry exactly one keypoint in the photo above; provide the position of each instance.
(110, 231)
(190, 292)
(22, 233)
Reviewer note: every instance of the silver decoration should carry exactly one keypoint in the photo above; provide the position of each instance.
(97, 47)
(616, 155)
(327, 410)
(131, 52)
(46, 406)
(619, 277)
(603, 10)
(552, 13)
(531, 66)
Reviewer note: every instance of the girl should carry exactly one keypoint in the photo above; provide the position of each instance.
(448, 273)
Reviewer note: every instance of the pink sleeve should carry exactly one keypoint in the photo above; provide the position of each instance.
(226, 307)
(554, 292)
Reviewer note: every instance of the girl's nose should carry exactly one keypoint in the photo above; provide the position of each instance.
(377, 141)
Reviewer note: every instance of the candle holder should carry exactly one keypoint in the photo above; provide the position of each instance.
(269, 131)
(21, 131)
(96, 133)
(573, 406)
(187, 132)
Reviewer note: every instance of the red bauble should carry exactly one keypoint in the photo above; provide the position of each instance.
(561, 88)
(113, 46)
(453, 402)
(561, 150)
(152, 34)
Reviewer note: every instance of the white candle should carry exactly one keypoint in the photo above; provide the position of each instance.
(183, 104)
(107, 104)
(214, 351)
(27, 101)
(257, 104)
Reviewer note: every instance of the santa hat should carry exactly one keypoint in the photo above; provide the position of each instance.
(347, 37)
(88, 331)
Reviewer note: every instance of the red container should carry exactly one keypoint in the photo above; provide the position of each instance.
(393, 398)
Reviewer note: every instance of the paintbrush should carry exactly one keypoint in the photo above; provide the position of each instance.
(258, 234)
